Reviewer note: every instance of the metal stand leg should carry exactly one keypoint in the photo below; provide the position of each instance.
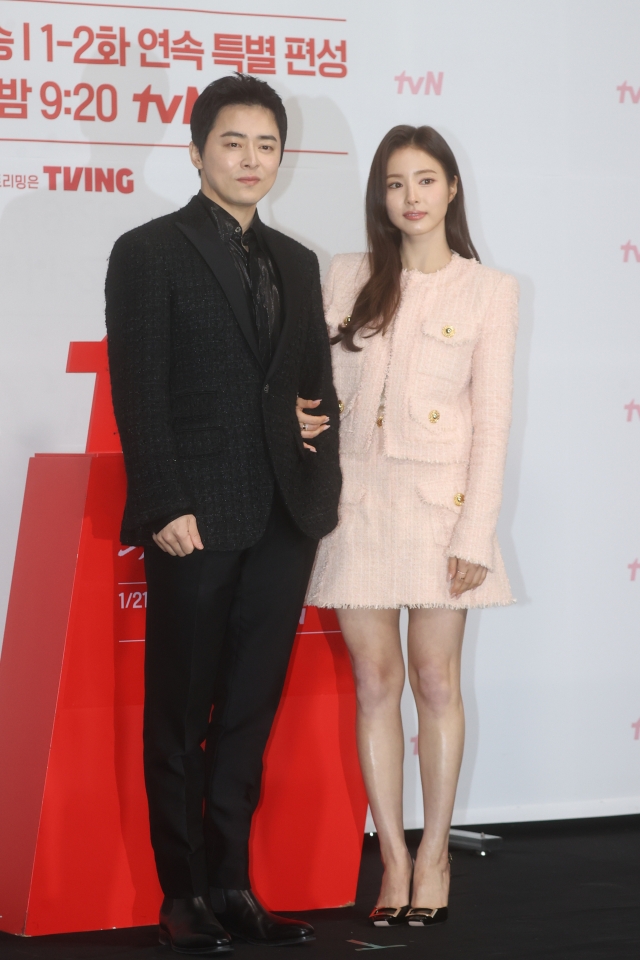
(480, 843)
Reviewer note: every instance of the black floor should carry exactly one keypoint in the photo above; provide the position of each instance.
(562, 890)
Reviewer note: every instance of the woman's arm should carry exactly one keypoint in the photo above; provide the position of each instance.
(316, 380)
(312, 426)
(491, 395)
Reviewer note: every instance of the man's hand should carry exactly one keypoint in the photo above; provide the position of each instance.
(310, 427)
(464, 576)
(180, 537)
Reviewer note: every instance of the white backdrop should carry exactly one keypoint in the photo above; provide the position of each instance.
(541, 104)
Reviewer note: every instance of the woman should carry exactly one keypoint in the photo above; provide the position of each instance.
(423, 350)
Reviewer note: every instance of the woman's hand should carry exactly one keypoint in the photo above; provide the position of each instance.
(310, 427)
(464, 576)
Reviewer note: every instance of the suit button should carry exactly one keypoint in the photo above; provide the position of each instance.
(448, 331)
(266, 388)
(434, 416)
(458, 499)
(340, 406)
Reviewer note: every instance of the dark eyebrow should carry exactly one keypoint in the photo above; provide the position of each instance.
(417, 173)
(243, 136)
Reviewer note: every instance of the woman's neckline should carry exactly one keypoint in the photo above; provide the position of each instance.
(432, 273)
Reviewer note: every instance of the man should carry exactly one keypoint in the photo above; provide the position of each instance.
(215, 330)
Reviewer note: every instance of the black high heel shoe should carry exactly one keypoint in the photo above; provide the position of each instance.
(391, 916)
(426, 916)
(388, 916)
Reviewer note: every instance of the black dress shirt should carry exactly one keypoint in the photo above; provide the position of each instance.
(257, 273)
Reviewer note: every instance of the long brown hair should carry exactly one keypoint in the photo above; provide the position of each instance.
(377, 302)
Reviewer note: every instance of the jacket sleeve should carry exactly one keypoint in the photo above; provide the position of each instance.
(491, 396)
(316, 380)
(138, 302)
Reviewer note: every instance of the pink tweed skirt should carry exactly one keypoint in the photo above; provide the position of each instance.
(390, 547)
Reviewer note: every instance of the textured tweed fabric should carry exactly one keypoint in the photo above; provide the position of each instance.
(205, 429)
(427, 484)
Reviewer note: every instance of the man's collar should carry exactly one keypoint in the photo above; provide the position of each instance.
(228, 226)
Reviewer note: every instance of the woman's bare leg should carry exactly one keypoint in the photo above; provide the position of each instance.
(373, 641)
(434, 651)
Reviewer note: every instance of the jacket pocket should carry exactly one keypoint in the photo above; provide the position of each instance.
(445, 350)
(194, 405)
(443, 496)
(442, 522)
(198, 437)
(442, 421)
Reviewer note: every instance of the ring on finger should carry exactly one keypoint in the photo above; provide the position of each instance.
(462, 575)
(305, 426)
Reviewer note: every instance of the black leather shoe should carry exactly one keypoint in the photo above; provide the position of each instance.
(248, 920)
(190, 926)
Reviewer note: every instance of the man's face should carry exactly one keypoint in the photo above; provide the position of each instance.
(241, 157)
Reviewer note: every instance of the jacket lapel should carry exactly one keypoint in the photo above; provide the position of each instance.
(291, 292)
(201, 232)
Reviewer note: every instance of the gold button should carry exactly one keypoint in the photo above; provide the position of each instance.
(458, 499)
(448, 331)
(380, 421)
(346, 321)
(434, 416)
(340, 406)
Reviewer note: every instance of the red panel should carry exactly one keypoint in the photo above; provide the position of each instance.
(308, 831)
(94, 867)
(71, 692)
(31, 664)
(91, 357)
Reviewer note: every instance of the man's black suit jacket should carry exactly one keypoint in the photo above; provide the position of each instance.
(205, 429)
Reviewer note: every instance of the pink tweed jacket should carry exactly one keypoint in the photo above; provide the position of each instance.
(445, 366)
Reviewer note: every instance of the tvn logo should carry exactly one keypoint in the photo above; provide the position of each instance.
(629, 248)
(630, 407)
(626, 88)
(427, 84)
(634, 567)
(91, 179)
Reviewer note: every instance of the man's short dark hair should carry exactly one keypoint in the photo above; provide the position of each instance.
(237, 89)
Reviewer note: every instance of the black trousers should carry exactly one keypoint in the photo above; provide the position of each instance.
(220, 628)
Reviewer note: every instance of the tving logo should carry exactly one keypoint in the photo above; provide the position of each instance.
(93, 179)
(630, 407)
(625, 89)
(636, 728)
(634, 567)
(627, 249)
(430, 83)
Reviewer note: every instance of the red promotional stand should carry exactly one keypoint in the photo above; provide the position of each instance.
(74, 837)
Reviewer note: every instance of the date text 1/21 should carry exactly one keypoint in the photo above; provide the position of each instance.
(136, 600)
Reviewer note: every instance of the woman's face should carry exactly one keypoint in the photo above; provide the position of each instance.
(418, 194)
